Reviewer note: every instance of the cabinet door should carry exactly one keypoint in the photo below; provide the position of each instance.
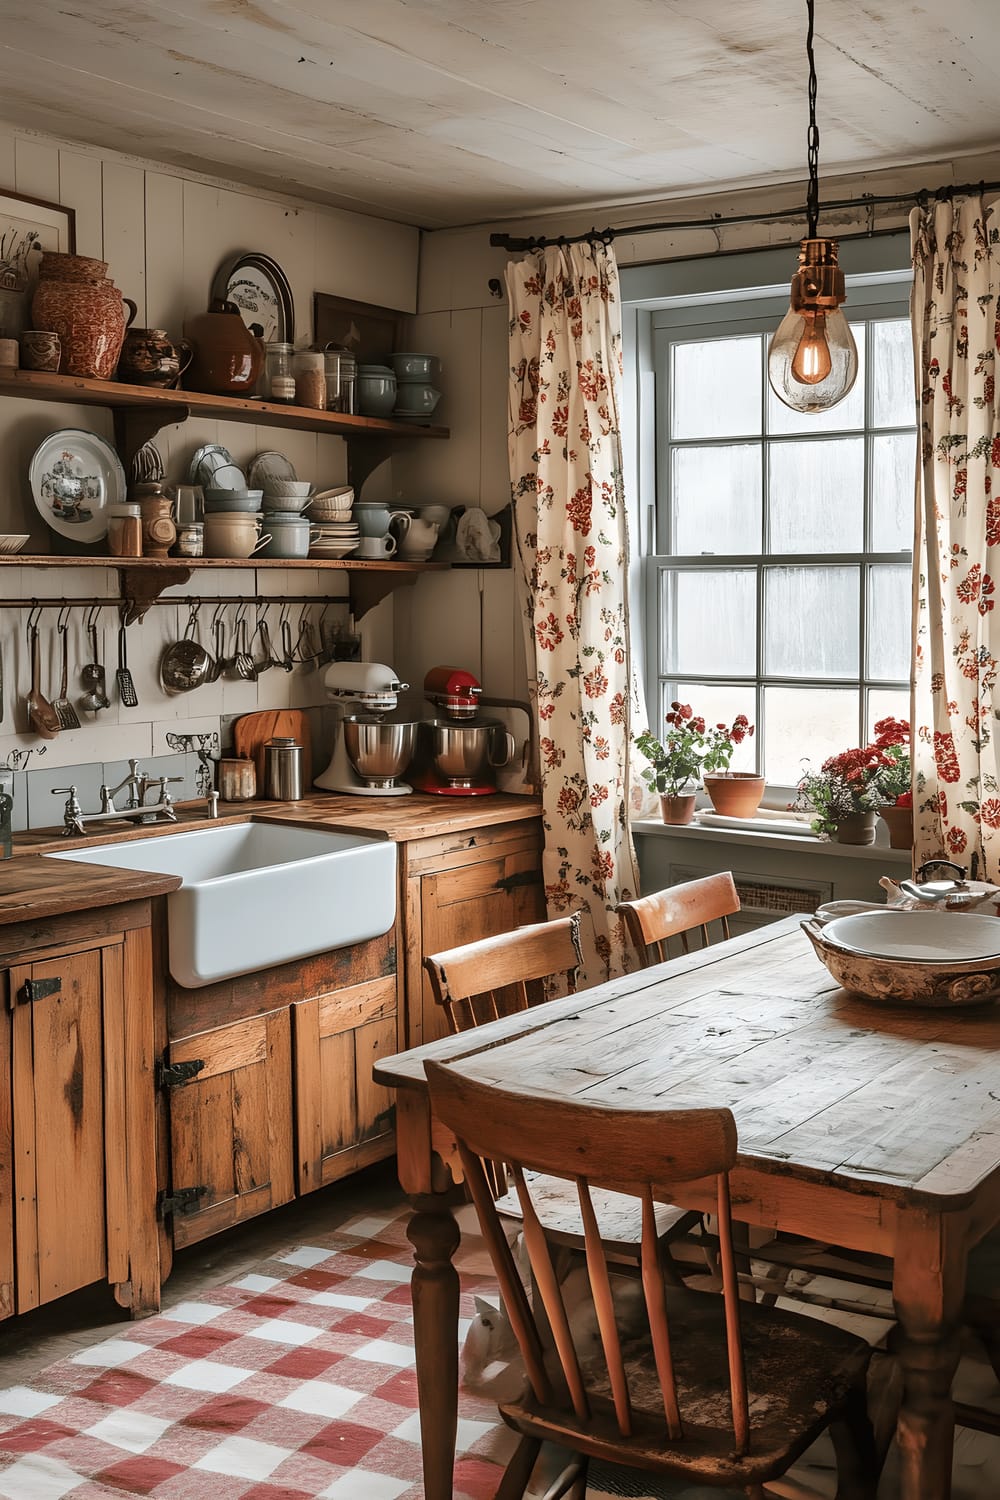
(230, 1127)
(69, 1131)
(496, 888)
(343, 1119)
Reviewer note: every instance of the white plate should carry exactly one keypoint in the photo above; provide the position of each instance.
(928, 936)
(11, 542)
(74, 477)
(332, 552)
(267, 466)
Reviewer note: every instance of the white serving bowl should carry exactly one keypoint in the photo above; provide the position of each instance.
(286, 488)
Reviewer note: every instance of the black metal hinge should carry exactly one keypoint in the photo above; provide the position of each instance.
(37, 989)
(180, 1201)
(509, 883)
(175, 1075)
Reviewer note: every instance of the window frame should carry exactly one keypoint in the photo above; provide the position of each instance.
(709, 298)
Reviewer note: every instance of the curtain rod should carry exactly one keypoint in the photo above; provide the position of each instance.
(867, 201)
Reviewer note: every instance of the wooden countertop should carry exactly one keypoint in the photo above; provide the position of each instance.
(31, 886)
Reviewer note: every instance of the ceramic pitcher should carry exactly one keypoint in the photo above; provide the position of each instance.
(76, 299)
(417, 537)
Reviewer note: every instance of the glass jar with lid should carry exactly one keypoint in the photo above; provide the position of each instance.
(336, 356)
(278, 378)
(124, 530)
(310, 379)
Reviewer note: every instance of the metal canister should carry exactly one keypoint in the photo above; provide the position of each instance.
(283, 769)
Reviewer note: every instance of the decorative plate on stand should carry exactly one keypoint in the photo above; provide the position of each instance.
(261, 291)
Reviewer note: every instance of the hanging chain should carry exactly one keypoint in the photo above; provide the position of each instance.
(812, 135)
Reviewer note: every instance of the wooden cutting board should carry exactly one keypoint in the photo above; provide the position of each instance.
(251, 733)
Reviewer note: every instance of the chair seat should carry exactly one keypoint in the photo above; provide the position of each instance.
(799, 1371)
(619, 1217)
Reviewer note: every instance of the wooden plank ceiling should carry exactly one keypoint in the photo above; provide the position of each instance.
(445, 112)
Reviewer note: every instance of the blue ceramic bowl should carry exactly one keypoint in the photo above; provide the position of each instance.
(376, 395)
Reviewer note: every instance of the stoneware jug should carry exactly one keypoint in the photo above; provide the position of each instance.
(417, 537)
(149, 358)
(228, 358)
(76, 299)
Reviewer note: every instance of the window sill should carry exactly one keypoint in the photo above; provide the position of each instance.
(786, 842)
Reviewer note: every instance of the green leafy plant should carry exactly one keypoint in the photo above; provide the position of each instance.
(688, 749)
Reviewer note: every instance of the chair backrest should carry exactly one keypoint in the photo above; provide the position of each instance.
(631, 1151)
(499, 976)
(678, 911)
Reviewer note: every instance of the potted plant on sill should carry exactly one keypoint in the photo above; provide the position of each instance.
(674, 762)
(737, 794)
(892, 737)
(848, 791)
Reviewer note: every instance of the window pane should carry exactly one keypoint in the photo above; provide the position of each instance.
(889, 607)
(844, 417)
(715, 388)
(884, 703)
(716, 499)
(893, 488)
(806, 724)
(811, 622)
(816, 496)
(718, 704)
(894, 401)
(708, 622)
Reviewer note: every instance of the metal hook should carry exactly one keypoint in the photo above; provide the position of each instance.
(62, 620)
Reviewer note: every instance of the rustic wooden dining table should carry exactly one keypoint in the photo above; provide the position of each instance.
(871, 1126)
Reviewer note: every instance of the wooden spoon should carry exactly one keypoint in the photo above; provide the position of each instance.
(41, 715)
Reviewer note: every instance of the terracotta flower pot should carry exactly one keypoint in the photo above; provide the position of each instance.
(677, 809)
(859, 828)
(737, 794)
(899, 821)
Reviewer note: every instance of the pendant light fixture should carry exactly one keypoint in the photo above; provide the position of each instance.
(813, 361)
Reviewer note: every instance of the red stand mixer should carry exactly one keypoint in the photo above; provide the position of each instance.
(459, 752)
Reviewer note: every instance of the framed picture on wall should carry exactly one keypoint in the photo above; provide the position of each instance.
(28, 227)
(371, 333)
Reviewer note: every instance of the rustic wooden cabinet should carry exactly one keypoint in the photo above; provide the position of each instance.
(458, 887)
(77, 1168)
(267, 1089)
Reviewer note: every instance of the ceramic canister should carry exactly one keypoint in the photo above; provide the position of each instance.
(289, 534)
(76, 300)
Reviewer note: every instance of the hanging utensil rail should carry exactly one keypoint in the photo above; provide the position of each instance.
(92, 602)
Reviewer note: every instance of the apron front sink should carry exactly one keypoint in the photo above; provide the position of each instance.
(258, 894)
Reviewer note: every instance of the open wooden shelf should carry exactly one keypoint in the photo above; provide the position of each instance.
(143, 579)
(140, 412)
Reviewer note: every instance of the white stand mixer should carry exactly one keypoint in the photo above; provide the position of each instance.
(373, 688)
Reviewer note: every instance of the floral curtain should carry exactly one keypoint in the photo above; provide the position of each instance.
(956, 329)
(570, 525)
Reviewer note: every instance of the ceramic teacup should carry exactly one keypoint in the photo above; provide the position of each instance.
(373, 517)
(376, 546)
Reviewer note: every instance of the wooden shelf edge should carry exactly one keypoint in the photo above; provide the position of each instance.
(176, 405)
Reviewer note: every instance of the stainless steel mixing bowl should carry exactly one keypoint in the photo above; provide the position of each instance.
(379, 752)
(467, 754)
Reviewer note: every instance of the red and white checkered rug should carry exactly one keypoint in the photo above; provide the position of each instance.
(292, 1383)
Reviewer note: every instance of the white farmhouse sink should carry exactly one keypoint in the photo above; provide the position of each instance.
(259, 894)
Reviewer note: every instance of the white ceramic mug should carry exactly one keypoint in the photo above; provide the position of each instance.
(376, 546)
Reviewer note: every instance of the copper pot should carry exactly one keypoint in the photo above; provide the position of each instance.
(79, 302)
(149, 358)
(228, 358)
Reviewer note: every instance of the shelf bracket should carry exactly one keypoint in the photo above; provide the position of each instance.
(135, 425)
(140, 586)
(364, 455)
(369, 589)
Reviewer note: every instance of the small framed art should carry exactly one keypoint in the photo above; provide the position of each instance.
(28, 227)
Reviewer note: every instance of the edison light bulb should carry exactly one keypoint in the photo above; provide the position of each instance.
(813, 361)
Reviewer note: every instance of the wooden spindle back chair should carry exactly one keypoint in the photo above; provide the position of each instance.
(678, 911)
(670, 1395)
(499, 976)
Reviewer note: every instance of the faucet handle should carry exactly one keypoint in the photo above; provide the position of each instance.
(63, 791)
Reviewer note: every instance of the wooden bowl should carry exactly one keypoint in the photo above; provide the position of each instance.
(898, 981)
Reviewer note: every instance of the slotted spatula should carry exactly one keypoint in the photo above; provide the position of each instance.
(65, 712)
(123, 677)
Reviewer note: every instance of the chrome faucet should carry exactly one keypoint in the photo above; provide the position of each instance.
(137, 785)
(138, 810)
(6, 808)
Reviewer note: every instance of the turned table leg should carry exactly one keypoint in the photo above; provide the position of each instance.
(928, 1287)
(434, 1235)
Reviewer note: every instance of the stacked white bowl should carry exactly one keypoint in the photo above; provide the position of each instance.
(285, 504)
(334, 530)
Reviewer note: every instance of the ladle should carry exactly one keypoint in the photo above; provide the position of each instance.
(92, 675)
(41, 715)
